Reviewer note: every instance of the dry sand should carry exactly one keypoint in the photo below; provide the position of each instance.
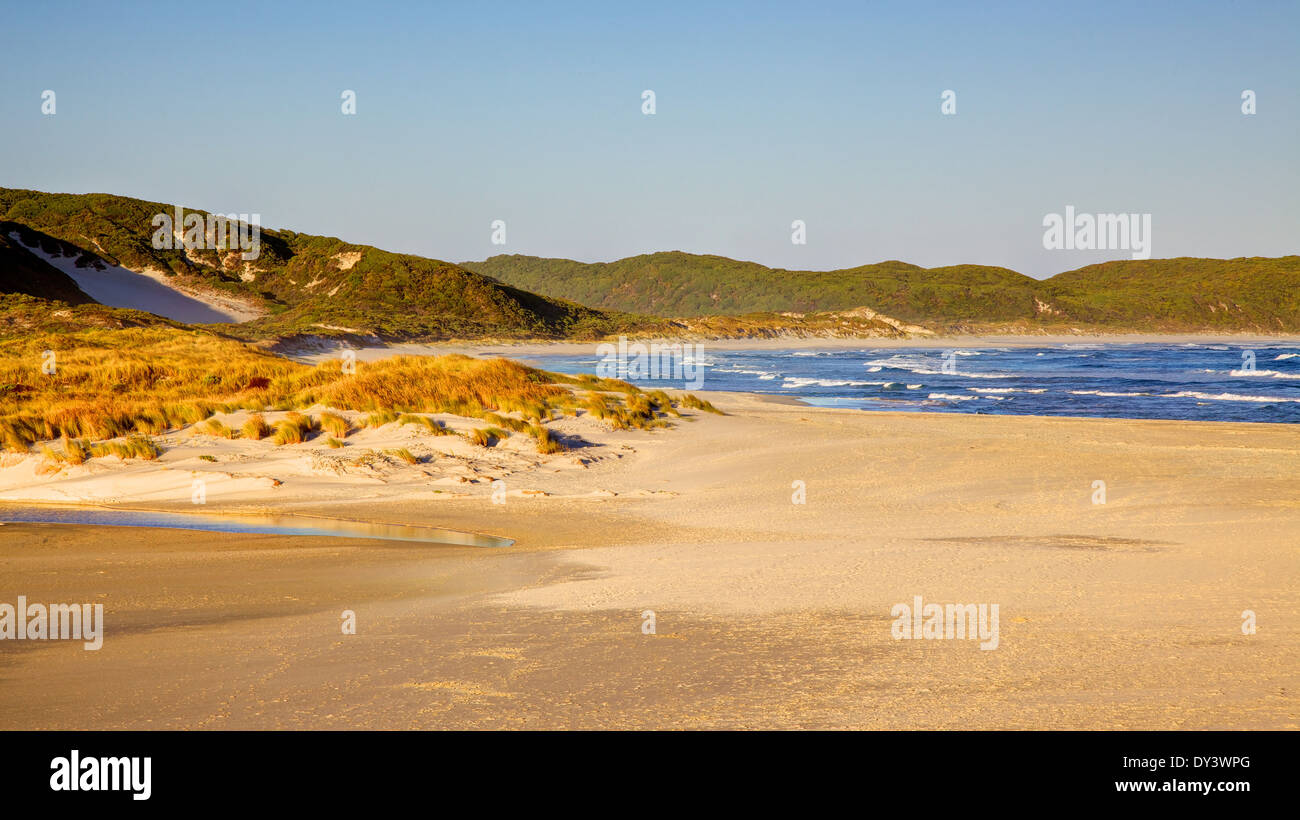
(768, 613)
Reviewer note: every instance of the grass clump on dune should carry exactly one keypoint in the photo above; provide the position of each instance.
(402, 454)
(546, 442)
(487, 436)
(141, 447)
(76, 451)
(335, 425)
(696, 403)
(433, 426)
(214, 427)
(379, 418)
(294, 428)
(255, 428)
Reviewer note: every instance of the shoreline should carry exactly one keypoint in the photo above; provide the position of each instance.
(527, 349)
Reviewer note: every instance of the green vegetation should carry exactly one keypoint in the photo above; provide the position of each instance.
(306, 285)
(316, 286)
(1188, 295)
(689, 285)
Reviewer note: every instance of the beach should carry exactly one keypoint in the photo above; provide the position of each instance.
(1119, 611)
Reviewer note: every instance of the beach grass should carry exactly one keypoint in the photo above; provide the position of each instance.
(111, 383)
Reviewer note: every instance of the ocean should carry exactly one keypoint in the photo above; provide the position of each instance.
(1204, 382)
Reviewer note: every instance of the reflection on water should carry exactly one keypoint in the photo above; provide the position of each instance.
(264, 524)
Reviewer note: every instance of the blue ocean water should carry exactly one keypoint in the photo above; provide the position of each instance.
(1208, 382)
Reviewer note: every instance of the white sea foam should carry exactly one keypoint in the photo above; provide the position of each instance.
(951, 397)
(1264, 373)
(1008, 389)
(795, 382)
(1193, 394)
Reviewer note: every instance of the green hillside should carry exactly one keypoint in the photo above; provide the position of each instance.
(1250, 294)
(1254, 293)
(683, 284)
(305, 284)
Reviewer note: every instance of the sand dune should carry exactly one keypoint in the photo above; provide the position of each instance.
(149, 291)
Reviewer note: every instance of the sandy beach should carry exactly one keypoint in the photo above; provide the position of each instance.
(767, 613)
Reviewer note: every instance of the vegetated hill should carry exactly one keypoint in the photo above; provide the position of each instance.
(21, 271)
(683, 284)
(1248, 294)
(307, 285)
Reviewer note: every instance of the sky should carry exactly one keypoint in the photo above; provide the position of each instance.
(765, 113)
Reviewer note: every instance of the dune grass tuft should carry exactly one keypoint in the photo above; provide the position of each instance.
(255, 428)
(214, 427)
(295, 428)
(694, 402)
(546, 442)
(335, 425)
(403, 454)
(487, 436)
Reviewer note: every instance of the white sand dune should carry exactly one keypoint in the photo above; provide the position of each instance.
(153, 292)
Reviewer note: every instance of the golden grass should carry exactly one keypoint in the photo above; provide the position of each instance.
(255, 428)
(295, 428)
(213, 427)
(403, 454)
(380, 418)
(690, 400)
(546, 443)
(335, 425)
(487, 436)
(433, 426)
(116, 383)
(76, 451)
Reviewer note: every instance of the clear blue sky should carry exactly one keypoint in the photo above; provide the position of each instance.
(766, 113)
